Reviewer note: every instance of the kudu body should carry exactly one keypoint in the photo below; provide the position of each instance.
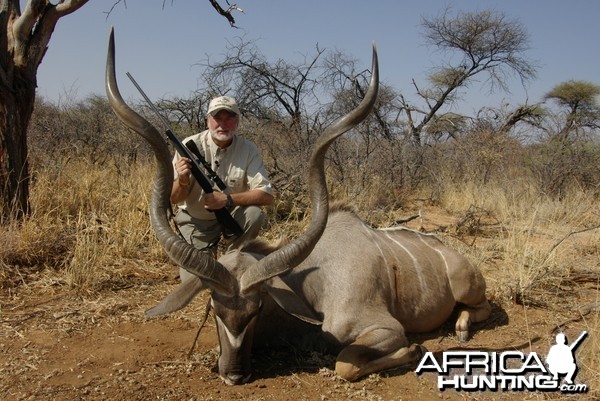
(364, 287)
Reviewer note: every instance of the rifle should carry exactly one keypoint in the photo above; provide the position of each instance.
(191, 145)
(190, 151)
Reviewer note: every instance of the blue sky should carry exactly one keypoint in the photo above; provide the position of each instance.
(161, 47)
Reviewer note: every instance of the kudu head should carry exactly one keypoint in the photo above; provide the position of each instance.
(236, 278)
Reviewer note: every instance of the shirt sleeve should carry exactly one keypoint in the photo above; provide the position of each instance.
(257, 175)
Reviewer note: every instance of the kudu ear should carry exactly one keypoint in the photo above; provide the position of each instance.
(179, 298)
(287, 300)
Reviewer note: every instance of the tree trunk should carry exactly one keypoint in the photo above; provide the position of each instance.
(15, 112)
(22, 48)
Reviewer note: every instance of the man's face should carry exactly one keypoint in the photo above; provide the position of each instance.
(222, 125)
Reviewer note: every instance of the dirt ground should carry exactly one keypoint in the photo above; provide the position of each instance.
(66, 347)
(56, 344)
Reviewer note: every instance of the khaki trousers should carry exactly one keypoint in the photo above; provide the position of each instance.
(206, 234)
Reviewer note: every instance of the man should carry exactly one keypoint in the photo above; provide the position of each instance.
(238, 163)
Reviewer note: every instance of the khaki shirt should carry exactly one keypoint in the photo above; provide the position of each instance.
(239, 166)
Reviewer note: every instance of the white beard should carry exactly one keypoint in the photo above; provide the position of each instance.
(221, 136)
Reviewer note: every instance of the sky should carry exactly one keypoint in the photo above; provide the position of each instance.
(163, 46)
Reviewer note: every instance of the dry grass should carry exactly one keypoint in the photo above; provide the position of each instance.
(87, 223)
(540, 240)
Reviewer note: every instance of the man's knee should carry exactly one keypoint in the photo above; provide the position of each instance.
(251, 218)
(254, 218)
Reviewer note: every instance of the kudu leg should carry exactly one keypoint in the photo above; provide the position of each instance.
(374, 351)
(468, 315)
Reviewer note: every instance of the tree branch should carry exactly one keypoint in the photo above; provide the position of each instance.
(556, 244)
(22, 29)
(66, 7)
(521, 113)
(226, 13)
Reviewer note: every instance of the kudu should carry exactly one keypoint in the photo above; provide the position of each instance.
(364, 287)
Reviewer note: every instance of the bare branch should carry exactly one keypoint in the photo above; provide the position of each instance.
(556, 244)
(585, 310)
(226, 13)
(114, 6)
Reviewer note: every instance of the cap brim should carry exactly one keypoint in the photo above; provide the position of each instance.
(218, 109)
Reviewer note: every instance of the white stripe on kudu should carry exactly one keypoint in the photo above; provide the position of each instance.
(439, 252)
(418, 269)
(235, 341)
(373, 238)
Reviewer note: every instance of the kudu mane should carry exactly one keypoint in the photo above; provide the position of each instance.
(263, 247)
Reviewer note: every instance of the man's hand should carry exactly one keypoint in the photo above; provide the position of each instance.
(215, 201)
(184, 170)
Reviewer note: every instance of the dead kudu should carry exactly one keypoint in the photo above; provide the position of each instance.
(364, 287)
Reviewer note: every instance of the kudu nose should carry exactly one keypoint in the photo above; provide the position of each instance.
(235, 379)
